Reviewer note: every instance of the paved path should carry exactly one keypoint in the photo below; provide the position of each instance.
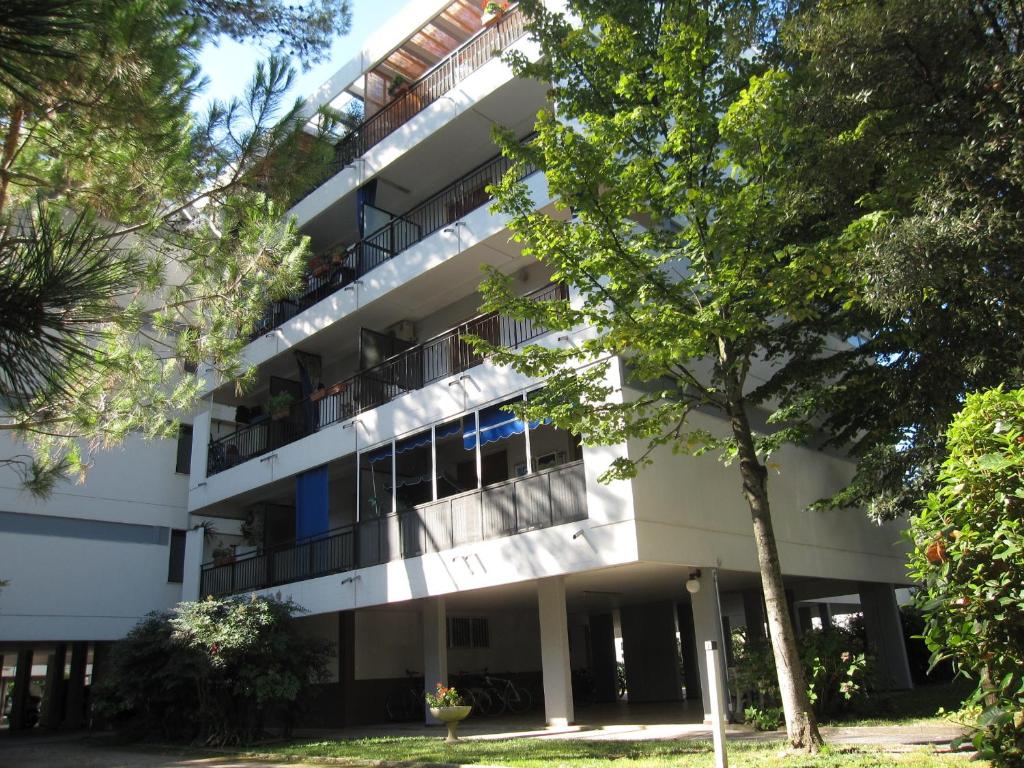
(40, 751)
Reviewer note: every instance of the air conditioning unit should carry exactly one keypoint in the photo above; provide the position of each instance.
(403, 329)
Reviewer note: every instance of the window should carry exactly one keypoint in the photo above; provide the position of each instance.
(176, 558)
(464, 632)
(183, 464)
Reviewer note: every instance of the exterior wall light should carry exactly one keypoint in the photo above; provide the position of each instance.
(693, 583)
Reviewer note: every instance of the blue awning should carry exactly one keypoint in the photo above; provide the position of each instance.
(495, 425)
(414, 442)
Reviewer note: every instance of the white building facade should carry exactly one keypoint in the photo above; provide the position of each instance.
(372, 477)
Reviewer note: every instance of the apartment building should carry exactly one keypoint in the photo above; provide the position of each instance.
(372, 476)
(383, 488)
(82, 567)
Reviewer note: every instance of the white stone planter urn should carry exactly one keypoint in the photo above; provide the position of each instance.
(451, 716)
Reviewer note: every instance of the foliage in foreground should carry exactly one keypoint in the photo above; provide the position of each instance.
(694, 246)
(211, 672)
(835, 666)
(544, 753)
(138, 240)
(969, 555)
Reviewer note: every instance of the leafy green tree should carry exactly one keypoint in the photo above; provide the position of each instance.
(211, 672)
(924, 97)
(969, 557)
(137, 240)
(694, 243)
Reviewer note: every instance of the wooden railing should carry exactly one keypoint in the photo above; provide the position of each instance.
(444, 355)
(540, 500)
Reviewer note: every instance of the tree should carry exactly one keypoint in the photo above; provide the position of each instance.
(136, 239)
(698, 249)
(927, 96)
(211, 672)
(969, 557)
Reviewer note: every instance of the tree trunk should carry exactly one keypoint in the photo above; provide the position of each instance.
(801, 725)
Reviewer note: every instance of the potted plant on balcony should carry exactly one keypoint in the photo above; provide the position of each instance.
(280, 405)
(493, 10)
(223, 554)
(399, 87)
(446, 705)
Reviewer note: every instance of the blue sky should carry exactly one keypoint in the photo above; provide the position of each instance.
(229, 65)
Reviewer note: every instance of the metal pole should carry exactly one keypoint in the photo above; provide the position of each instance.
(717, 703)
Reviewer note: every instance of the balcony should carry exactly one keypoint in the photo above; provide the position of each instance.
(444, 207)
(412, 98)
(540, 500)
(444, 355)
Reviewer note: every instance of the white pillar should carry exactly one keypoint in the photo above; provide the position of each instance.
(554, 652)
(713, 660)
(707, 626)
(201, 423)
(191, 578)
(435, 649)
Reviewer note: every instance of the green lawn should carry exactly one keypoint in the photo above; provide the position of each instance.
(918, 706)
(546, 753)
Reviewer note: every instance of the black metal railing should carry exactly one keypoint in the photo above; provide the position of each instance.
(540, 500)
(465, 194)
(431, 86)
(444, 355)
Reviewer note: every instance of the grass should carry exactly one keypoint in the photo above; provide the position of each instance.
(567, 753)
(917, 707)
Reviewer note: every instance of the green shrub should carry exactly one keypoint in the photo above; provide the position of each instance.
(768, 719)
(969, 557)
(211, 672)
(835, 666)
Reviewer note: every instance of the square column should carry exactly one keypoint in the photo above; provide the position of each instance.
(554, 652)
(884, 629)
(649, 647)
(435, 649)
(753, 614)
(191, 575)
(74, 716)
(53, 696)
(19, 696)
(707, 625)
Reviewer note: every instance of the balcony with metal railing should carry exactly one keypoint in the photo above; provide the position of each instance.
(540, 500)
(409, 99)
(444, 355)
(444, 207)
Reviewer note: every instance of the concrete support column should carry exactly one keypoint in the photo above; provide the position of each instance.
(20, 694)
(885, 635)
(804, 615)
(602, 652)
(649, 648)
(554, 652)
(53, 696)
(435, 649)
(191, 582)
(687, 638)
(347, 667)
(3, 687)
(825, 614)
(753, 614)
(200, 441)
(74, 714)
(707, 625)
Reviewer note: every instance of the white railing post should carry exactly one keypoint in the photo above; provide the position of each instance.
(714, 667)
